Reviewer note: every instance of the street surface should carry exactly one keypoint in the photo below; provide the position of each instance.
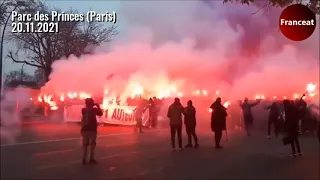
(54, 151)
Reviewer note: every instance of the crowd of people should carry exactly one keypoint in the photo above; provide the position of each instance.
(291, 112)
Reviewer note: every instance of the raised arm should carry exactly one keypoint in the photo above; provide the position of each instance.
(99, 111)
(256, 103)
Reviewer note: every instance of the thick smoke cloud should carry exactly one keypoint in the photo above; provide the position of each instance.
(197, 45)
(12, 104)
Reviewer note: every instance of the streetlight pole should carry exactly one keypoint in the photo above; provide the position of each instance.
(1, 51)
(21, 76)
(1, 44)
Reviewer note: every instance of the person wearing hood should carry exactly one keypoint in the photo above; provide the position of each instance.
(218, 120)
(247, 114)
(190, 124)
(175, 112)
(274, 113)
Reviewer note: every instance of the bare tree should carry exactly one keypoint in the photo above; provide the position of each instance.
(314, 5)
(42, 49)
(6, 7)
(18, 76)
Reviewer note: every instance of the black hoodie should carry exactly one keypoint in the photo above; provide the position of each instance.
(175, 113)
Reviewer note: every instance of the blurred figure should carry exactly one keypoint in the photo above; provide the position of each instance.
(273, 118)
(175, 112)
(315, 110)
(292, 125)
(218, 120)
(190, 123)
(141, 108)
(319, 131)
(303, 115)
(89, 126)
(247, 114)
(153, 112)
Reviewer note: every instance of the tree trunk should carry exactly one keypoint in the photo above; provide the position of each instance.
(47, 72)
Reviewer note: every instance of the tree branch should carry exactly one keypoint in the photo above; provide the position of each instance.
(10, 55)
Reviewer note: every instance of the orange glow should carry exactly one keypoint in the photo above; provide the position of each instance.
(138, 90)
(210, 110)
(311, 87)
(205, 92)
(54, 108)
(274, 97)
(284, 97)
(62, 98)
(217, 92)
(312, 94)
(226, 104)
(296, 96)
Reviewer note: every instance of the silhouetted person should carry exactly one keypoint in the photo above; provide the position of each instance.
(141, 108)
(303, 114)
(190, 123)
(175, 112)
(315, 110)
(247, 114)
(218, 120)
(319, 131)
(89, 126)
(153, 112)
(292, 125)
(274, 113)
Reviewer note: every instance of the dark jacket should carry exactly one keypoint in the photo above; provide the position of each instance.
(175, 112)
(153, 109)
(291, 119)
(190, 116)
(218, 117)
(89, 119)
(274, 112)
(303, 110)
(246, 110)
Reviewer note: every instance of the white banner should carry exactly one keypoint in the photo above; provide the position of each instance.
(122, 115)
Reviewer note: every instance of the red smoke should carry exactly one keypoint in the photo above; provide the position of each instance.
(191, 45)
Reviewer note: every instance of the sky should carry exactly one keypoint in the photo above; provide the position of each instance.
(166, 40)
(81, 6)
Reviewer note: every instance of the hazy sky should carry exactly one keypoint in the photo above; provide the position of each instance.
(81, 6)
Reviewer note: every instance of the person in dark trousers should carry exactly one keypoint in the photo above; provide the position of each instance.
(89, 126)
(303, 115)
(274, 113)
(247, 114)
(175, 112)
(218, 120)
(315, 110)
(138, 113)
(190, 123)
(292, 125)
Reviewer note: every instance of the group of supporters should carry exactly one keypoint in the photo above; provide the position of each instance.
(291, 112)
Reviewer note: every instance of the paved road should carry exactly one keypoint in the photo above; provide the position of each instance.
(52, 152)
